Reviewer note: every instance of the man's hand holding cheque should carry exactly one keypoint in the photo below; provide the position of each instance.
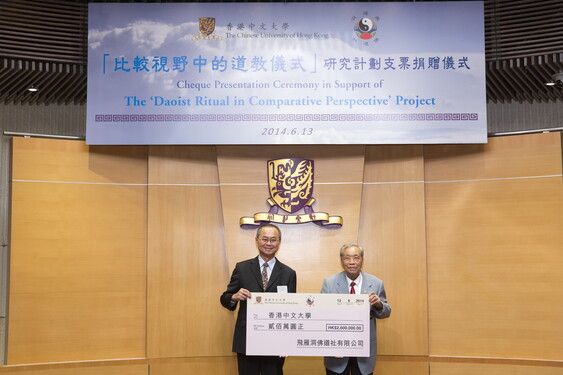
(241, 295)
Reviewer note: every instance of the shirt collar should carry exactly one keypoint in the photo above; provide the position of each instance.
(271, 262)
(358, 281)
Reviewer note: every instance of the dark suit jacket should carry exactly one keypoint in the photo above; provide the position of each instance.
(247, 275)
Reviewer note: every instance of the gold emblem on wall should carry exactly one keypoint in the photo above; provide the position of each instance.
(290, 181)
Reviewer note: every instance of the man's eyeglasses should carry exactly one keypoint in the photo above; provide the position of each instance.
(349, 258)
(270, 240)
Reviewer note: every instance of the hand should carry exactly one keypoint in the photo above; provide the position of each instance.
(241, 295)
(375, 301)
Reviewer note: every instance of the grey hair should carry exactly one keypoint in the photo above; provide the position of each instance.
(345, 246)
(268, 225)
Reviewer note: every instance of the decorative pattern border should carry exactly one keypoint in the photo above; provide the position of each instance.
(288, 117)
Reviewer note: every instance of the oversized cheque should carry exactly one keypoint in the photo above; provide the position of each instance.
(301, 324)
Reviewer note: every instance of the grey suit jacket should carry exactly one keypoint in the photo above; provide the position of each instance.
(337, 284)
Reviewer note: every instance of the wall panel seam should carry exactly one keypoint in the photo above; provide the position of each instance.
(472, 360)
(496, 179)
(316, 183)
(81, 182)
(208, 185)
(111, 183)
(497, 358)
(393, 182)
(116, 361)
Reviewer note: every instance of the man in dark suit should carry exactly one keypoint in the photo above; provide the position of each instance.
(261, 274)
(353, 280)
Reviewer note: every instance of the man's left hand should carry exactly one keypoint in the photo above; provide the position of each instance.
(375, 301)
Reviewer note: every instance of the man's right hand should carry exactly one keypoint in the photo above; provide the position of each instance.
(241, 295)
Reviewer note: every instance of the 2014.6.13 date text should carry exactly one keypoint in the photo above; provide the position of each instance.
(287, 131)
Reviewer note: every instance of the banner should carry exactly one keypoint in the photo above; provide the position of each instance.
(286, 73)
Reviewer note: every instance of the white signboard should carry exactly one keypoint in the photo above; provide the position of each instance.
(286, 73)
(298, 324)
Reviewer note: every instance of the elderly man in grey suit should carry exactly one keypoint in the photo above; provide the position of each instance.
(353, 280)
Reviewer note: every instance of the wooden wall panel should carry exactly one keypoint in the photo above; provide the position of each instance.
(392, 232)
(189, 366)
(402, 365)
(187, 268)
(74, 161)
(54, 327)
(77, 237)
(77, 267)
(452, 368)
(122, 367)
(394, 240)
(309, 249)
(171, 165)
(494, 254)
(394, 163)
(247, 164)
(503, 157)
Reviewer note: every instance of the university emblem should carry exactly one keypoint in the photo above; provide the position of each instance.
(206, 29)
(290, 182)
(206, 25)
